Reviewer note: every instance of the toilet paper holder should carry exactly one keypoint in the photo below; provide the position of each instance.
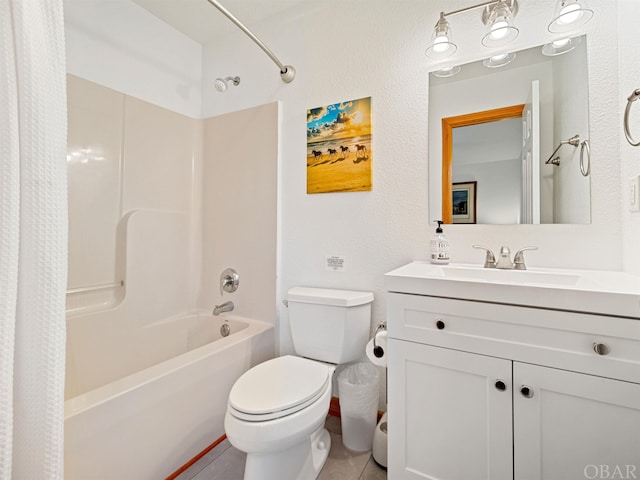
(378, 351)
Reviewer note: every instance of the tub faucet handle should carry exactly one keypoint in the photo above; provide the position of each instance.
(229, 281)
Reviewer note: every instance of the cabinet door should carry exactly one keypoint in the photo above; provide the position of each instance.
(447, 418)
(574, 426)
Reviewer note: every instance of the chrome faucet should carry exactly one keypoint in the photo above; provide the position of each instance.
(489, 259)
(518, 258)
(504, 261)
(223, 307)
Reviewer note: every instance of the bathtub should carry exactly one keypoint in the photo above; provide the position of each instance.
(149, 423)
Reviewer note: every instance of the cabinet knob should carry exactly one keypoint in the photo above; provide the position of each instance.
(500, 385)
(440, 325)
(526, 391)
(601, 348)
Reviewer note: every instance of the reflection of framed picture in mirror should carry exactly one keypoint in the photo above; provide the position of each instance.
(463, 202)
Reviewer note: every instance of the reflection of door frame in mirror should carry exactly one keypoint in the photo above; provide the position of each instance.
(448, 124)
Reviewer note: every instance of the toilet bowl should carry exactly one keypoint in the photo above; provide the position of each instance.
(277, 409)
(283, 433)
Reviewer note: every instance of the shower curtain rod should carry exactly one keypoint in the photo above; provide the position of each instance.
(287, 72)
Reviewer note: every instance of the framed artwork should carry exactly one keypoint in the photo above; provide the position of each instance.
(463, 202)
(339, 147)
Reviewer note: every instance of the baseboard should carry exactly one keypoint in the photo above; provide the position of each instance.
(334, 408)
(196, 458)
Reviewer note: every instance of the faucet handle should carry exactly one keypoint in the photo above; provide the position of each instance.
(518, 258)
(229, 281)
(490, 259)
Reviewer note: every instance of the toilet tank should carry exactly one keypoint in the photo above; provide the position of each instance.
(329, 325)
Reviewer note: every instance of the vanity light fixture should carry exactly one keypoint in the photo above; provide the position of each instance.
(497, 16)
(568, 15)
(558, 47)
(499, 60)
(499, 21)
(441, 44)
(447, 71)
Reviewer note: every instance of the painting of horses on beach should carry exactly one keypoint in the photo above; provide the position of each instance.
(339, 147)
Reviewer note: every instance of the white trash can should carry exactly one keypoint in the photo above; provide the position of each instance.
(358, 391)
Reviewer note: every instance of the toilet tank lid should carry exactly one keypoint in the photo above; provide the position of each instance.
(326, 296)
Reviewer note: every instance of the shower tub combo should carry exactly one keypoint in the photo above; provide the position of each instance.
(150, 422)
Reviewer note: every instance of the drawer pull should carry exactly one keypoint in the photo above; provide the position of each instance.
(500, 385)
(601, 348)
(526, 391)
(440, 325)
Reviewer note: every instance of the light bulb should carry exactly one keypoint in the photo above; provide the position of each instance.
(569, 14)
(499, 21)
(448, 71)
(499, 30)
(440, 44)
(561, 46)
(499, 60)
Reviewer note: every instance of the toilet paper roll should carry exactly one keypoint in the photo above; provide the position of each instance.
(381, 342)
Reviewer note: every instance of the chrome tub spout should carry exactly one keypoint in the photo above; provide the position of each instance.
(223, 307)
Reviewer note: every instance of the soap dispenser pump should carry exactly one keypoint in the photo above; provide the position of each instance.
(439, 247)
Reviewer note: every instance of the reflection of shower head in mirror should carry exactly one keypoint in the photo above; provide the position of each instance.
(221, 83)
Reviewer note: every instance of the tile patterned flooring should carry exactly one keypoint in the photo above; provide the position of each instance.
(225, 462)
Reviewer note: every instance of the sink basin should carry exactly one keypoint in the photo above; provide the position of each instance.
(471, 272)
(602, 292)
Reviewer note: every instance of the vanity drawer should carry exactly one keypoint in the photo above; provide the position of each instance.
(594, 344)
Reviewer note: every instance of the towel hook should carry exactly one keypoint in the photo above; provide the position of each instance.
(585, 171)
(627, 133)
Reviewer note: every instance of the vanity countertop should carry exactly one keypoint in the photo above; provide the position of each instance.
(589, 291)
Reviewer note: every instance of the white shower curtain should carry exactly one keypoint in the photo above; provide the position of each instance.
(33, 238)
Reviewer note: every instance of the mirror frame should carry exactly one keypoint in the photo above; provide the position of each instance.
(448, 124)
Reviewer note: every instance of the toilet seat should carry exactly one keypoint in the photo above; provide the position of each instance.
(277, 388)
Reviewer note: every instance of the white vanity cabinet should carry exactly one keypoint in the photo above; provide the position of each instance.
(480, 390)
(446, 419)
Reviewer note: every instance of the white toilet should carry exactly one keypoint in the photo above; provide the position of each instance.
(276, 410)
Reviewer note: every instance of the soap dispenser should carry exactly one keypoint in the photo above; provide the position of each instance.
(439, 247)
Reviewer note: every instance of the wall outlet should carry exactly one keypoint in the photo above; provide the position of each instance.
(634, 194)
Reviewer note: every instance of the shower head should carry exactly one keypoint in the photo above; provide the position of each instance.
(221, 83)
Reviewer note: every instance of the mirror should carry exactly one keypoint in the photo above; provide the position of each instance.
(497, 128)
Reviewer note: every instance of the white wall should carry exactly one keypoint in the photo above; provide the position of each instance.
(350, 49)
(118, 44)
(629, 26)
(139, 181)
(490, 154)
(239, 185)
(94, 171)
(570, 188)
(498, 192)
